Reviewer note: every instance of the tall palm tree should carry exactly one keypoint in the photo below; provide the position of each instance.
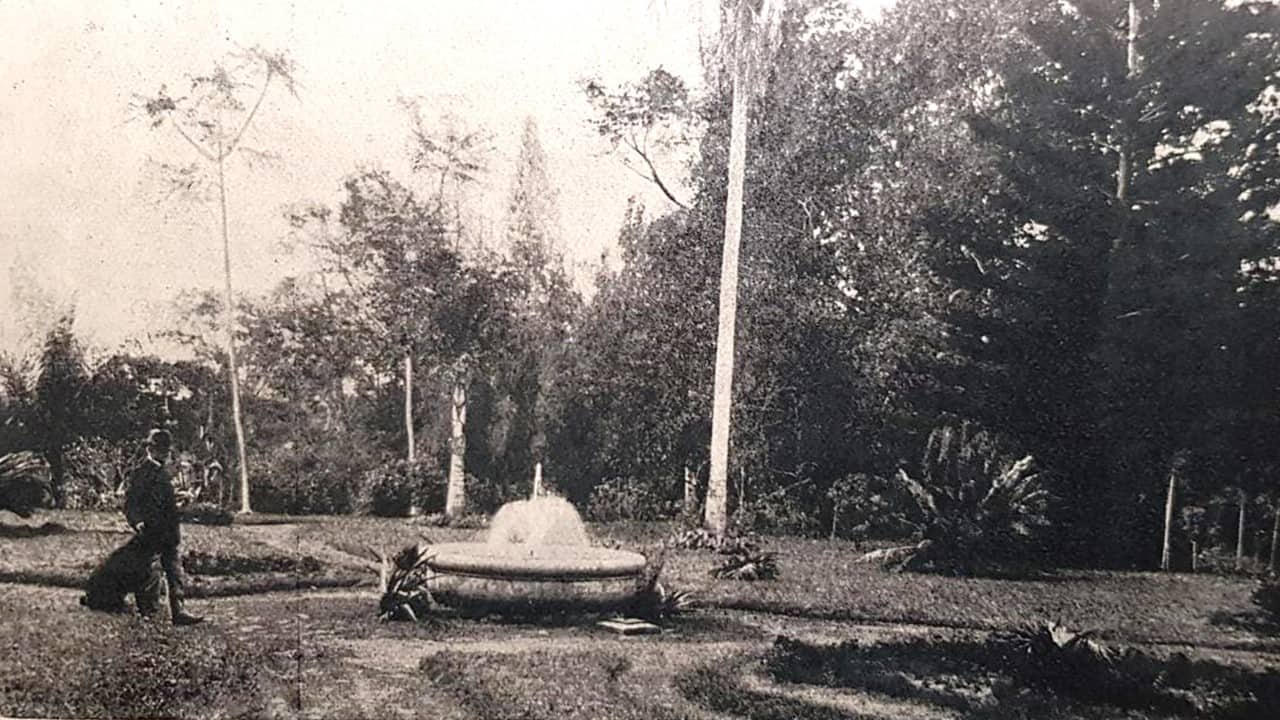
(745, 28)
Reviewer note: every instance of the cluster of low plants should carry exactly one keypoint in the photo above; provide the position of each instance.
(698, 538)
(747, 564)
(402, 584)
(395, 488)
(742, 558)
(198, 562)
(629, 499)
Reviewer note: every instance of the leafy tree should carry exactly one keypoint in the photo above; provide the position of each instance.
(213, 120)
(59, 419)
(1110, 142)
(648, 119)
(543, 305)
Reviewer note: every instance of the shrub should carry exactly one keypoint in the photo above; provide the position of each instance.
(629, 499)
(96, 468)
(393, 488)
(203, 563)
(485, 495)
(321, 478)
(24, 483)
(868, 507)
(981, 510)
(778, 512)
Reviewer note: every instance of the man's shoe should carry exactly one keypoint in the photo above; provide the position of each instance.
(185, 619)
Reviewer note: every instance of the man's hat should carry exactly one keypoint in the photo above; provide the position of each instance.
(160, 439)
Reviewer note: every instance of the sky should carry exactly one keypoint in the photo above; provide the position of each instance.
(81, 212)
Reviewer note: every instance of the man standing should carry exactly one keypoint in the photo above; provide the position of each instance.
(151, 507)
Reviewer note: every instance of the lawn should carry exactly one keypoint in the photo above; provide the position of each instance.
(872, 644)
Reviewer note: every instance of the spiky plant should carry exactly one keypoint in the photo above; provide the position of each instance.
(748, 565)
(402, 582)
(1051, 655)
(980, 509)
(24, 483)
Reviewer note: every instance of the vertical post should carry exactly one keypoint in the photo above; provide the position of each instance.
(537, 481)
(717, 511)
(1166, 550)
(690, 492)
(1240, 535)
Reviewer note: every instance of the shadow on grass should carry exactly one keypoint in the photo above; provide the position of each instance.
(1255, 622)
(1000, 679)
(19, 532)
(721, 689)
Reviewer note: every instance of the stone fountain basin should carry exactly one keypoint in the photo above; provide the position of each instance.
(533, 578)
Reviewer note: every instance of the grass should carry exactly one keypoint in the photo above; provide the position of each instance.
(323, 654)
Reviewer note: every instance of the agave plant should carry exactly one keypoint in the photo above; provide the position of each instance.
(654, 601)
(24, 483)
(402, 583)
(748, 565)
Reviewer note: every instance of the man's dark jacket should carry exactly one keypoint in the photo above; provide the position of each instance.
(150, 500)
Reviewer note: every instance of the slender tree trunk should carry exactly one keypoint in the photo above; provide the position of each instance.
(1275, 540)
(1117, 501)
(717, 510)
(1195, 556)
(1167, 549)
(408, 405)
(1240, 535)
(232, 368)
(455, 500)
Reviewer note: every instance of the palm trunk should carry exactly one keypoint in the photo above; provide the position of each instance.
(717, 511)
(455, 500)
(1240, 535)
(408, 405)
(232, 368)
(1167, 549)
